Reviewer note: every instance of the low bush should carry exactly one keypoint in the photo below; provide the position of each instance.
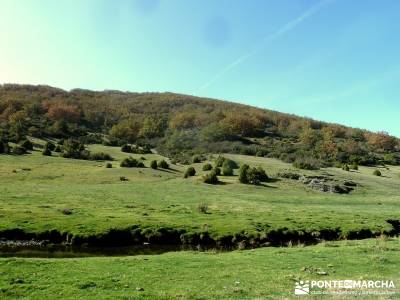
(123, 178)
(109, 165)
(18, 150)
(190, 172)
(4, 147)
(354, 166)
(153, 164)
(207, 167)
(254, 176)
(219, 161)
(307, 163)
(46, 152)
(227, 170)
(196, 159)
(217, 171)
(211, 178)
(377, 173)
(289, 175)
(243, 174)
(57, 148)
(126, 148)
(51, 146)
(346, 167)
(27, 144)
(230, 163)
(163, 164)
(129, 162)
(100, 156)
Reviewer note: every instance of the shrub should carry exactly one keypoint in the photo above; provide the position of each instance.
(202, 208)
(57, 148)
(4, 147)
(231, 163)
(354, 166)
(345, 167)
(163, 164)
(51, 146)
(307, 164)
(261, 175)
(289, 175)
(18, 150)
(377, 173)
(129, 162)
(100, 156)
(153, 164)
(126, 148)
(190, 172)
(260, 153)
(46, 152)
(254, 176)
(243, 174)
(211, 178)
(140, 164)
(109, 165)
(227, 170)
(27, 144)
(196, 159)
(219, 161)
(207, 167)
(123, 178)
(217, 171)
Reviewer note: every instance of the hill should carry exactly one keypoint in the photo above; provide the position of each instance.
(180, 126)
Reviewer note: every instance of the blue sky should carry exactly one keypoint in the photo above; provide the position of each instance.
(332, 60)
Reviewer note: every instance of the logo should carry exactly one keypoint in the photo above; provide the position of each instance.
(345, 287)
(302, 288)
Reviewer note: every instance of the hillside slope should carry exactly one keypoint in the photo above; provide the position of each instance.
(180, 126)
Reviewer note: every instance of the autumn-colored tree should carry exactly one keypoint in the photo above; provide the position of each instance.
(242, 124)
(382, 141)
(60, 110)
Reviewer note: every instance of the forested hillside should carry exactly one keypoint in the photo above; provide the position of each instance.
(181, 126)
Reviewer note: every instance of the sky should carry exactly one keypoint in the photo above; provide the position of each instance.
(331, 60)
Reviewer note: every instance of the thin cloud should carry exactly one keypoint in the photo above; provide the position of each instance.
(275, 35)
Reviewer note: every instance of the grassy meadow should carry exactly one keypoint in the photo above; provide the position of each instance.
(35, 189)
(265, 273)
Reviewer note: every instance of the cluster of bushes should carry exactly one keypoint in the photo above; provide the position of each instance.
(72, 148)
(19, 149)
(162, 164)
(254, 175)
(307, 163)
(190, 172)
(131, 162)
(211, 178)
(136, 149)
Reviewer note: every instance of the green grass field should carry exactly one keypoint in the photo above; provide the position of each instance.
(33, 199)
(35, 189)
(265, 273)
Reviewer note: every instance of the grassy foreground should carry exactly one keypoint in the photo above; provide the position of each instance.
(266, 273)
